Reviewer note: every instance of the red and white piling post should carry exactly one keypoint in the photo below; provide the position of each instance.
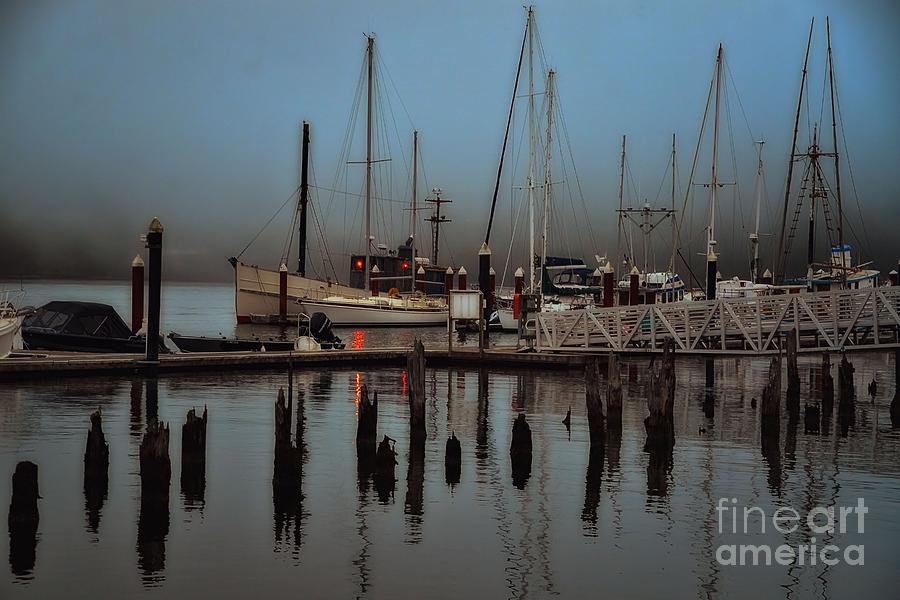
(520, 280)
(282, 292)
(609, 277)
(137, 294)
(463, 283)
(634, 287)
(448, 282)
(420, 279)
(597, 282)
(374, 283)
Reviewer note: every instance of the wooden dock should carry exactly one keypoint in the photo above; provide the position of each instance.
(37, 365)
(834, 321)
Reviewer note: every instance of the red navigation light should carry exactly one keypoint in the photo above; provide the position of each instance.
(359, 264)
(405, 265)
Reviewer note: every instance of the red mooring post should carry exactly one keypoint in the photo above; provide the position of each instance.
(374, 284)
(420, 279)
(520, 280)
(282, 292)
(448, 282)
(137, 294)
(597, 282)
(609, 277)
(634, 287)
(462, 278)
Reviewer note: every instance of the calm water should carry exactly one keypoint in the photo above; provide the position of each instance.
(574, 530)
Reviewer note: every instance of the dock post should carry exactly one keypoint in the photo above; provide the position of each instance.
(96, 471)
(374, 284)
(520, 451)
(596, 417)
(415, 386)
(448, 282)
(23, 518)
(847, 401)
(520, 280)
(282, 292)
(154, 244)
(153, 520)
(485, 277)
(597, 282)
(613, 390)
(793, 372)
(895, 403)
(609, 294)
(462, 283)
(193, 457)
(770, 421)
(284, 478)
(366, 428)
(137, 294)
(420, 279)
(712, 269)
(634, 282)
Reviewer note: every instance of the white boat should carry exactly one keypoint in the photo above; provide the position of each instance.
(10, 327)
(409, 311)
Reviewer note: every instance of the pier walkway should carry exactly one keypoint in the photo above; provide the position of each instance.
(824, 321)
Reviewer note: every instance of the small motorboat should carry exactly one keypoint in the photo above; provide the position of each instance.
(81, 327)
(10, 323)
(313, 333)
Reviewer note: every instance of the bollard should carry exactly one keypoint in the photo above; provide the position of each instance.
(609, 278)
(282, 293)
(374, 284)
(448, 282)
(154, 244)
(137, 294)
(634, 282)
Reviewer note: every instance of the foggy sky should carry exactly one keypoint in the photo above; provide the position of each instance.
(113, 112)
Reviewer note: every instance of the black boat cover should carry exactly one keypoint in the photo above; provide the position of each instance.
(79, 318)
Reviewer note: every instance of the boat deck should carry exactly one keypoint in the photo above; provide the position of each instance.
(37, 365)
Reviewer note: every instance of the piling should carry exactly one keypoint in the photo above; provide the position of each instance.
(374, 284)
(609, 284)
(154, 244)
(452, 460)
(519, 279)
(712, 270)
(153, 521)
(634, 283)
(770, 415)
(366, 426)
(193, 458)
(156, 469)
(613, 391)
(811, 418)
(827, 384)
(894, 278)
(895, 403)
(385, 462)
(491, 296)
(96, 471)
(420, 279)
(285, 479)
(484, 278)
(766, 278)
(415, 386)
(771, 396)
(793, 373)
(23, 518)
(462, 281)
(847, 402)
(282, 292)
(596, 417)
(597, 283)
(137, 294)
(448, 282)
(660, 423)
(520, 451)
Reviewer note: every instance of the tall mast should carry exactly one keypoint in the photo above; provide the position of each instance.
(370, 55)
(304, 199)
(754, 237)
(531, 147)
(674, 228)
(837, 169)
(412, 261)
(551, 77)
(780, 259)
(714, 182)
(619, 257)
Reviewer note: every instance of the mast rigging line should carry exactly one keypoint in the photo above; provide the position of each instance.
(487, 235)
(269, 222)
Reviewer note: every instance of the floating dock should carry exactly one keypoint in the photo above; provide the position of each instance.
(73, 364)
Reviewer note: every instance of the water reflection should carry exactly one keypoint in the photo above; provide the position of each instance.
(413, 505)
(23, 520)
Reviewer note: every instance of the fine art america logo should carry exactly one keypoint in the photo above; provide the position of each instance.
(829, 523)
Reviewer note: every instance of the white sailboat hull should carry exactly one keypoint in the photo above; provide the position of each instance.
(256, 293)
(9, 327)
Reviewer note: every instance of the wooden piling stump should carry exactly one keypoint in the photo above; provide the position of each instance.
(793, 385)
(193, 458)
(415, 385)
(771, 396)
(23, 518)
(385, 463)
(96, 471)
(895, 403)
(595, 412)
(660, 423)
(156, 468)
(285, 478)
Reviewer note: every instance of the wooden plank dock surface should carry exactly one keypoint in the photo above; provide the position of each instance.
(36, 365)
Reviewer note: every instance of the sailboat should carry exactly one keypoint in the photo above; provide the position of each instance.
(838, 272)
(653, 286)
(257, 289)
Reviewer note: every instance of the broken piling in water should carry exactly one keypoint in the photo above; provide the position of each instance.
(595, 413)
(23, 518)
(415, 385)
(96, 471)
(193, 458)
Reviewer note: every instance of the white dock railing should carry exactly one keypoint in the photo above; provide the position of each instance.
(824, 321)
